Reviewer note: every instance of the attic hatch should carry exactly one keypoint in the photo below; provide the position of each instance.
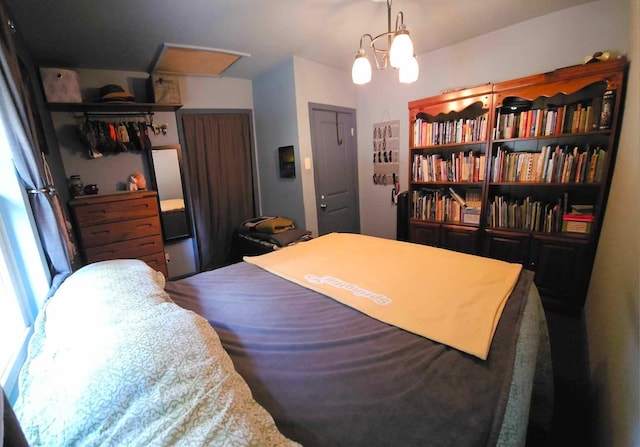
(192, 60)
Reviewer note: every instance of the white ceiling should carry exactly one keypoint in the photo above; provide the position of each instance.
(128, 34)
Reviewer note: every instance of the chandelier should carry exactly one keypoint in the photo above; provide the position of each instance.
(397, 52)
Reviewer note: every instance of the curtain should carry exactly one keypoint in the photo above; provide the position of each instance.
(15, 114)
(220, 182)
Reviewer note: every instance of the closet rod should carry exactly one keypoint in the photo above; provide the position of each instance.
(116, 114)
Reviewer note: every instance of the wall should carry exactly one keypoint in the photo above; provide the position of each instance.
(555, 40)
(275, 122)
(110, 172)
(613, 309)
(318, 84)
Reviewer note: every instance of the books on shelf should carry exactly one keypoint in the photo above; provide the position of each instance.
(431, 133)
(447, 205)
(551, 165)
(552, 120)
(526, 214)
(457, 167)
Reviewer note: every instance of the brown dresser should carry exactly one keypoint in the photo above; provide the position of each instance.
(122, 225)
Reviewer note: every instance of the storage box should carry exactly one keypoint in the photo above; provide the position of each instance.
(471, 215)
(60, 85)
(577, 223)
(165, 88)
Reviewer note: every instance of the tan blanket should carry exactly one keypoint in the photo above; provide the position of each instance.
(452, 298)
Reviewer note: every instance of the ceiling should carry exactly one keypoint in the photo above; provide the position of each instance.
(128, 34)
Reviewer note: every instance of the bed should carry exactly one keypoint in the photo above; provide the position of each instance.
(309, 369)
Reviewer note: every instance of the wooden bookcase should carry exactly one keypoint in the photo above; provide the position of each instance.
(448, 137)
(548, 152)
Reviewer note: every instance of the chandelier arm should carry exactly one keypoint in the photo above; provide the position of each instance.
(389, 38)
(400, 16)
(380, 54)
(362, 38)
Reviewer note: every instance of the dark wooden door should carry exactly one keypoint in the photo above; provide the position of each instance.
(462, 239)
(426, 234)
(509, 247)
(562, 274)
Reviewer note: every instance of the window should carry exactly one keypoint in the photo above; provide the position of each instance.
(14, 317)
(24, 276)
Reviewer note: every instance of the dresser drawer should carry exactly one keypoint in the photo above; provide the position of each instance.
(132, 249)
(156, 261)
(103, 234)
(99, 213)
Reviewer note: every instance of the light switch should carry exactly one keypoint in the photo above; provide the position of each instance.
(307, 163)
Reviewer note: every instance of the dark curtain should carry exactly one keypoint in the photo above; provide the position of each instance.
(220, 182)
(15, 114)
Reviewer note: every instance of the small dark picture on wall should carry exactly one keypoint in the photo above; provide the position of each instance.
(287, 162)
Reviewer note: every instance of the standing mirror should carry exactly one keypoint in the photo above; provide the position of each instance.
(167, 179)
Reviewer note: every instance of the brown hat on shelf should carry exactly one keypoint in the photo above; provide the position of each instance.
(112, 92)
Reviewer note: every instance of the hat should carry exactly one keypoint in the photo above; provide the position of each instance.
(599, 56)
(112, 92)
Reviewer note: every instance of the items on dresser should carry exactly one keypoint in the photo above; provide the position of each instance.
(120, 225)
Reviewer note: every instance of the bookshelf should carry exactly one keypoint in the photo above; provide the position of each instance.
(448, 148)
(548, 153)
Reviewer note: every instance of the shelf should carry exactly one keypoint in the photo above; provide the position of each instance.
(551, 137)
(448, 223)
(556, 184)
(419, 183)
(106, 107)
(562, 260)
(554, 235)
(449, 145)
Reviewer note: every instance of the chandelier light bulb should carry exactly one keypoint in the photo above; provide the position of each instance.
(401, 48)
(392, 48)
(361, 70)
(409, 71)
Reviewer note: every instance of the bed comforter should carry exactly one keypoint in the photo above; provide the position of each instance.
(114, 362)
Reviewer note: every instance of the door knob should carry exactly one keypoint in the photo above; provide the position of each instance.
(323, 206)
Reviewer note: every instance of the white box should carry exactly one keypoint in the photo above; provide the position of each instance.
(60, 85)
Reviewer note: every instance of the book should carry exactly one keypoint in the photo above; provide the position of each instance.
(457, 197)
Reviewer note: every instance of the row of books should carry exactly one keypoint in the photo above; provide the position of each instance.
(458, 167)
(560, 164)
(444, 205)
(552, 120)
(527, 214)
(430, 133)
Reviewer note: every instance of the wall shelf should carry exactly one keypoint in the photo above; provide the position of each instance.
(111, 107)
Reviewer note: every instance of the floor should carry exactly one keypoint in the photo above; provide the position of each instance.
(572, 403)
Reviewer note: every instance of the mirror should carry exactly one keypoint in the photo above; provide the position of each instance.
(166, 172)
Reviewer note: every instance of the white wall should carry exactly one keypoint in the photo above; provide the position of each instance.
(316, 83)
(613, 308)
(556, 40)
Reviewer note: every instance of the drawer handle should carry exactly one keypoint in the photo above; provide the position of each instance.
(147, 243)
(146, 225)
